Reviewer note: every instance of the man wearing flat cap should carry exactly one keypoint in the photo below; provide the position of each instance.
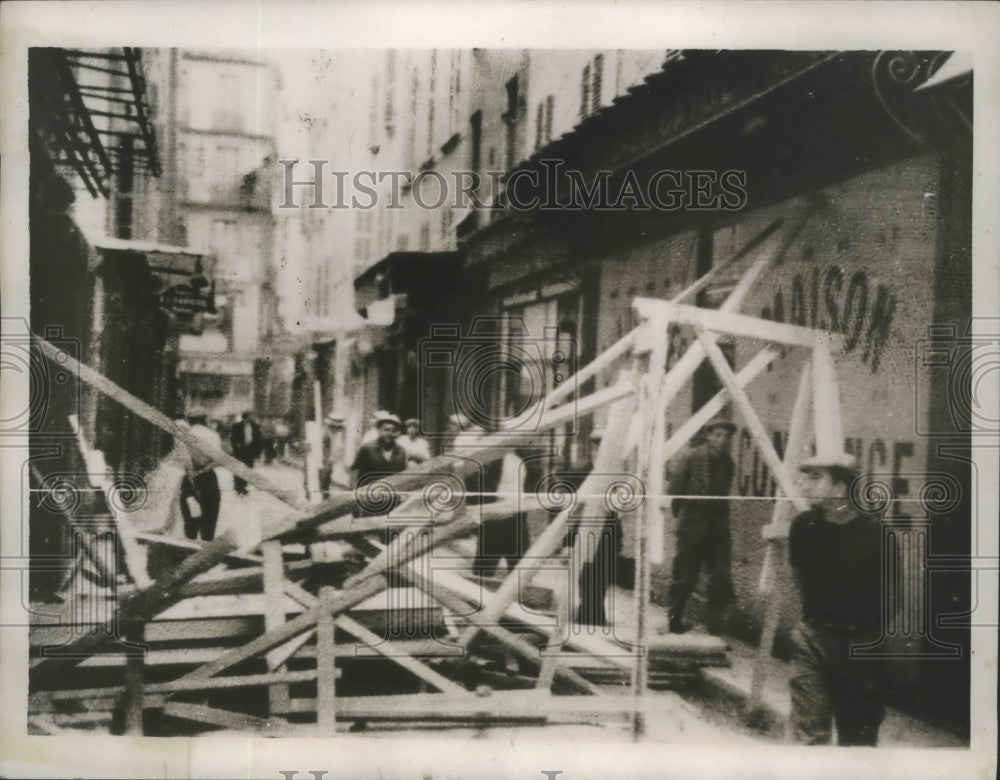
(835, 552)
(700, 482)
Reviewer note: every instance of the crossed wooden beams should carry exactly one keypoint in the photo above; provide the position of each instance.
(644, 402)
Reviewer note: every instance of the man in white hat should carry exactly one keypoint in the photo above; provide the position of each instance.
(700, 480)
(372, 433)
(835, 552)
(414, 445)
(382, 456)
(333, 473)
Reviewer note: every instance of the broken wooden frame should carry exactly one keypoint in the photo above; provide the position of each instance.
(646, 402)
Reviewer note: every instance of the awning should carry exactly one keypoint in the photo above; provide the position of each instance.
(91, 110)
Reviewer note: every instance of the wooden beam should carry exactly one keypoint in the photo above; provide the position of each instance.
(733, 324)
(344, 600)
(757, 430)
(650, 466)
(187, 544)
(826, 402)
(754, 368)
(274, 616)
(216, 717)
(391, 650)
(156, 417)
(775, 555)
(177, 686)
(140, 606)
(551, 539)
(326, 693)
(454, 601)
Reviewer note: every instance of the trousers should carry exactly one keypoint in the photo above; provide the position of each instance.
(503, 538)
(829, 686)
(702, 540)
(204, 488)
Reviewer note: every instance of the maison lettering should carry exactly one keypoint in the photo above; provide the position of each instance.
(828, 299)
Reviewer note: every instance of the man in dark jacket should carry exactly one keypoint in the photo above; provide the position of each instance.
(835, 553)
(247, 443)
(379, 458)
(700, 480)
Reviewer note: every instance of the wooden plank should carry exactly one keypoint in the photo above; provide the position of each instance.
(187, 544)
(326, 694)
(551, 539)
(775, 568)
(395, 651)
(175, 686)
(160, 420)
(719, 321)
(826, 402)
(274, 616)
(140, 606)
(754, 368)
(778, 471)
(458, 603)
(344, 600)
(650, 466)
(216, 717)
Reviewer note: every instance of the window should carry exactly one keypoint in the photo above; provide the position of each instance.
(224, 239)
(476, 140)
(510, 118)
(591, 85)
(390, 92)
(431, 101)
(228, 115)
(543, 122)
(228, 163)
(597, 83)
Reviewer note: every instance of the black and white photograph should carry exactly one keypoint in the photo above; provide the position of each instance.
(457, 396)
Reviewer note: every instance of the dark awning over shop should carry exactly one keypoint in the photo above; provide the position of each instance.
(91, 110)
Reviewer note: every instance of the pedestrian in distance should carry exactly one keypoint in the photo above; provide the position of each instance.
(701, 481)
(600, 547)
(200, 496)
(247, 443)
(373, 433)
(836, 555)
(414, 445)
(381, 457)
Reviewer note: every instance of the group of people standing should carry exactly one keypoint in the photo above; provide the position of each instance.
(834, 553)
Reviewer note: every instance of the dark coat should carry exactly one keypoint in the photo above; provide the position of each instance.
(697, 473)
(237, 438)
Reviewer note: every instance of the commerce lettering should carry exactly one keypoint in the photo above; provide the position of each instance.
(753, 477)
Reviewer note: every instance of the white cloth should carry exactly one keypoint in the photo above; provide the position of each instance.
(417, 450)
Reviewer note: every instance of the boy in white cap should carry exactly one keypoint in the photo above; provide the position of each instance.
(836, 553)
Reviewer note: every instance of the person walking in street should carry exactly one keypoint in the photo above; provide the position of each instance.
(835, 553)
(247, 443)
(600, 548)
(414, 445)
(382, 456)
(373, 433)
(333, 475)
(200, 496)
(701, 481)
